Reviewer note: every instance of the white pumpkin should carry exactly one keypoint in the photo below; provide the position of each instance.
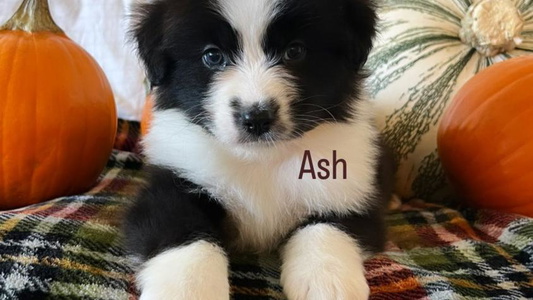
(425, 51)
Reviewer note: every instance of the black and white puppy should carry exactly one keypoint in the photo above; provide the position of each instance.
(254, 98)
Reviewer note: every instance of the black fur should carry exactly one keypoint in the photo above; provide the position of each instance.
(170, 211)
(338, 35)
(171, 37)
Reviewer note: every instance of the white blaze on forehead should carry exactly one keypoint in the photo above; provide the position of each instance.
(251, 19)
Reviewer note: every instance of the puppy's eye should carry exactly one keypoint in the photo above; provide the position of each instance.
(295, 52)
(214, 58)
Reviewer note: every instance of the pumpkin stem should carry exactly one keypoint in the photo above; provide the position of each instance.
(32, 16)
(492, 26)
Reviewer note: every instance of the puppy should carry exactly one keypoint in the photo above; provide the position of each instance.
(261, 140)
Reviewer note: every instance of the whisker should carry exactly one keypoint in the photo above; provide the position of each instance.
(308, 98)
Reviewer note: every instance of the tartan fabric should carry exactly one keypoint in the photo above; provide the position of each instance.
(70, 248)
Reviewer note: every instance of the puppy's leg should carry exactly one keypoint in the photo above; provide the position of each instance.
(196, 271)
(324, 259)
(322, 262)
(174, 230)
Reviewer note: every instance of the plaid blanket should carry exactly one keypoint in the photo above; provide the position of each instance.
(70, 248)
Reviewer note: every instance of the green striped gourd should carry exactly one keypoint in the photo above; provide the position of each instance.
(426, 50)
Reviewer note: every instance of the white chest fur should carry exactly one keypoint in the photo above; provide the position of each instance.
(260, 186)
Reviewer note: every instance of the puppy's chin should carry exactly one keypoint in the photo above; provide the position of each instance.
(231, 136)
(249, 147)
(268, 139)
(258, 151)
(245, 143)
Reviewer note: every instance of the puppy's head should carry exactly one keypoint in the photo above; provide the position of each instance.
(254, 72)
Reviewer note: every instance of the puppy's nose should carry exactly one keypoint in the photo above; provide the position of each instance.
(258, 120)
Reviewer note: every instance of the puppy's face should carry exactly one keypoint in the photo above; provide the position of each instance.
(256, 71)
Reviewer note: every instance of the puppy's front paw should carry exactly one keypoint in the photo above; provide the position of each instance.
(320, 262)
(198, 271)
(325, 284)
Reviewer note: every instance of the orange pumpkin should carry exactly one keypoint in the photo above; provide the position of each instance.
(57, 111)
(485, 138)
(146, 117)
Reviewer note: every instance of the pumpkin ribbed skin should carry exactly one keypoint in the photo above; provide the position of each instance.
(485, 138)
(57, 118)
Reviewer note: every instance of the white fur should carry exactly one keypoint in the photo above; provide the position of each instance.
(198, 271)
(259, 185)
(253, 78)
(321, 262)
(250, 19)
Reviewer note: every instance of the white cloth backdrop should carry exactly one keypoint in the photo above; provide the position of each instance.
(99, 26)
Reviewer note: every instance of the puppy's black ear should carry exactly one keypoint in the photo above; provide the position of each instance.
(362, 18)
(148, 35)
